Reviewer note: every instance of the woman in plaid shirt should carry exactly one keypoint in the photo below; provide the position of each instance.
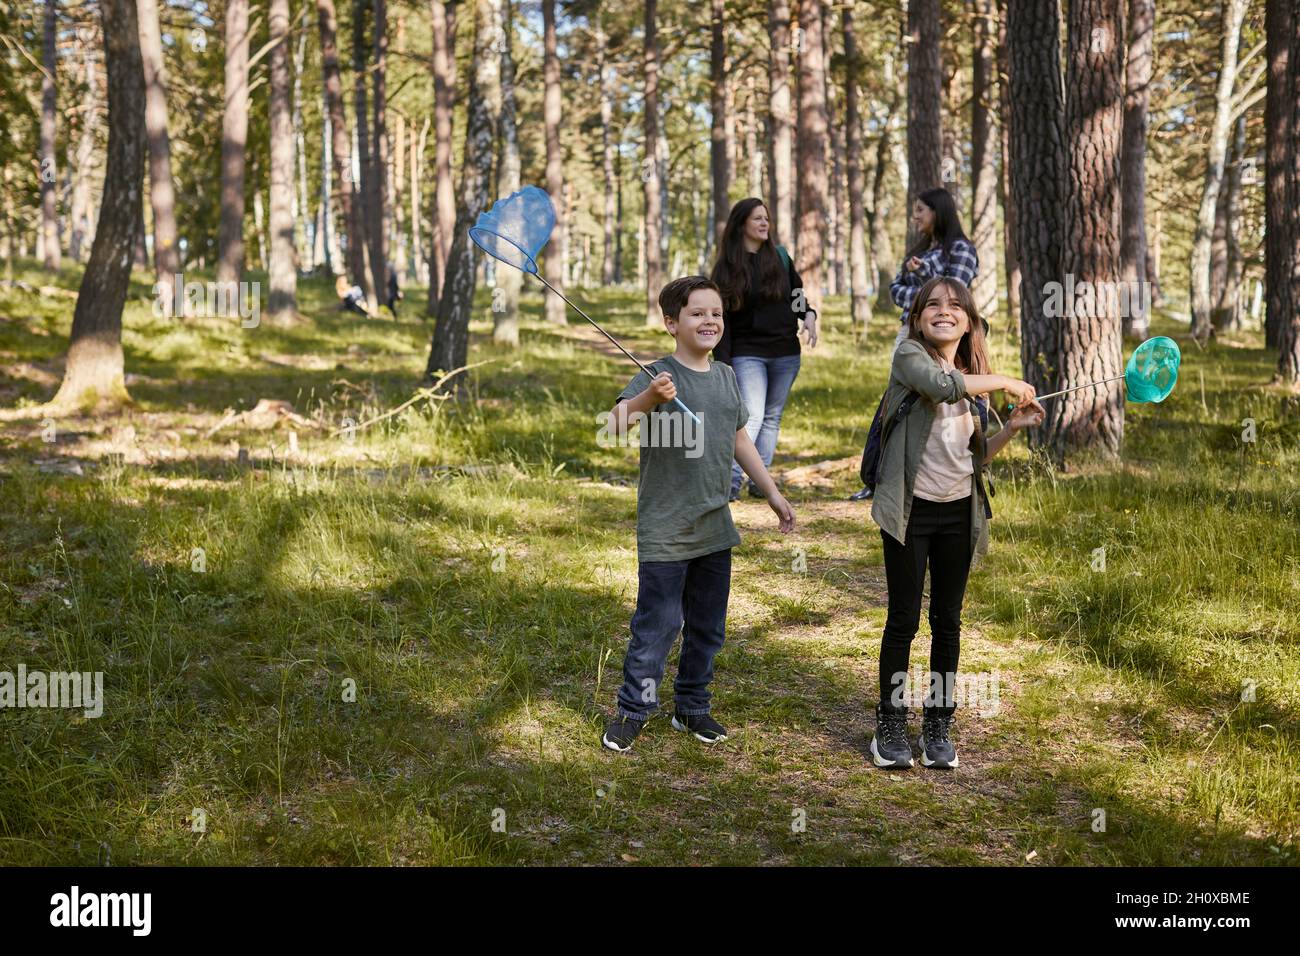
(942, 249)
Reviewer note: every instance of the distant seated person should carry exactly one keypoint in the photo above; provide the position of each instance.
(393, 293)
(351, 298)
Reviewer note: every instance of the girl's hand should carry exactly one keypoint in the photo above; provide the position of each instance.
(663, 388)
(810, 326)
(1022, 392)
(913, 264)
(783, 511)
(1027, 415)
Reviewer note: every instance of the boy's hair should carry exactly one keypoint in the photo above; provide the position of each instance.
(677, 293)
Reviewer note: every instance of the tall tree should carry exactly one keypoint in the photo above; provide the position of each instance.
(1091, 332)
(364, 187)
(924, 96)
(94, 369)
(443, 26)
(81, 212)
(782, 118)
(651, 251)
(1010, 252)
(49, 162)
(450, 346)
(1137, 96)
(282, 300)
(554, 264)
(234, 141)
(1226, 314)
(812, 150)
(1036, 130)
(379, 207)
(505, 320)
(340, 147)
(162, 190)
(1232, 14)
(1279, 204)
(860, 304)
(984, 173)
(718, 125)
(608, 150)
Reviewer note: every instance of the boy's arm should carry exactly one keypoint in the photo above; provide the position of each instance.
(749, 459)
(658, 390)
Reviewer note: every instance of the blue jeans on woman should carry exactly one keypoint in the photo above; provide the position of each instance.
(764, 385)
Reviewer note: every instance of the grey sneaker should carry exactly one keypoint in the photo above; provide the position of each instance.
(937, 750)
(703, 726)
(890, 746)
(620, 732)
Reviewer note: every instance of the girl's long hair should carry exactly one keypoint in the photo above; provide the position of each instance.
(972, 356)
(947, 224)
(731, 271)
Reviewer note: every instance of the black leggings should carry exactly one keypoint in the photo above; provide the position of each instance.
(937, 532)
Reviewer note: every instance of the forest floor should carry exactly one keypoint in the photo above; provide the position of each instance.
(469, 567)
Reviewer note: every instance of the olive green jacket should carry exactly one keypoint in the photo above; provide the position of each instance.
(913, 370)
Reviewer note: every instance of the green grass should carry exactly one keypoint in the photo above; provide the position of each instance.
(471, 567)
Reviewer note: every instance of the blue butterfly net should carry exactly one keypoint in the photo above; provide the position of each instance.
(1152, 370)
(515, 228)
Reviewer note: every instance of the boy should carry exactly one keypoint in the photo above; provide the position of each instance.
(684, 532)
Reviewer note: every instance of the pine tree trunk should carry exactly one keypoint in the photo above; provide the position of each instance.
(162, 191)
(1234, 11)
(812, 151)
(1137, 94)
(282, 300)
(340, 145)
(1279, 204)
(443, 18)
(93, 373)
(650, 170)
(608, 149)
(379, 208)
(234, 140)
(49, 121)
(450, 347)
(1091, 332)
(555, 249)
(1038, 180)
(1227, 308)
(304, 222)
(924, 96)
(860, 304)
(505, 321)
(1010, 253)
(984, 173)
(82, 223)
(782, 132)
(718, 127)
(418, 249)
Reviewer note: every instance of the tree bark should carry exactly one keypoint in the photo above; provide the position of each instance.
(718, 127)
(380, 210)
(1279, 202)
(860, 303)
(1137, 95)
(1233, 12)
(812, 152)
(162, 191)
(984, 173)
(505, 321)
(924, 96)
(782, 132)
(340, 145)
(234, 140)
(554, 263)
(282, 300)
(363, 196)
(450, 346)
(304, 223)
(1227, 307)
(94, 370)
(650, 169)
(1091, 333)
(607, 147)
(443, 18)
(1010, 253)
(49, 120)
(82, 224)
(1038, 180)
(1288, 323)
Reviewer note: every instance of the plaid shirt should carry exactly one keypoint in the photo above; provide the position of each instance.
(962, 263)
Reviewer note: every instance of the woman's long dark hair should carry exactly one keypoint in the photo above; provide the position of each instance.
(731, 271)
(947, 224)
(972, 356)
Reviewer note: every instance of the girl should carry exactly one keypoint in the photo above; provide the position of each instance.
(931, 504)
(941, 249)
(765, 311)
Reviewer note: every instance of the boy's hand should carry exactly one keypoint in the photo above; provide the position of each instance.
(783, 511)
(662, 388)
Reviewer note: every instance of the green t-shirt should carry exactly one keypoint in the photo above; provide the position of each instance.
(685, 480)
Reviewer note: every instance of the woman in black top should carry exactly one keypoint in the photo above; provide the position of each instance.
(765, 311)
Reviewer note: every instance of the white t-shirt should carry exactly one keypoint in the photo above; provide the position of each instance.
(947, 463)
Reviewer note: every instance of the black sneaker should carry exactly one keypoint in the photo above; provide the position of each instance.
(937, 750)
(862, 495)
(620, 732)
(890, 746)
(703, 726)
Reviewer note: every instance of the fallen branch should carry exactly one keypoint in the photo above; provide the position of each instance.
(429, 392)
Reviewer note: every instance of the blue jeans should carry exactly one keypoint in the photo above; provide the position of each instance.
(687, 596)
(764, 385)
